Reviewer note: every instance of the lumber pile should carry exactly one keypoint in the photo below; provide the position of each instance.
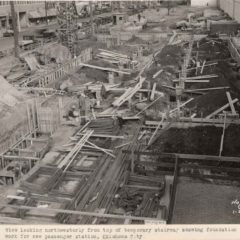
(72, 154)
(113, 57)
(102, 185)
(140, 196)
(106, 126)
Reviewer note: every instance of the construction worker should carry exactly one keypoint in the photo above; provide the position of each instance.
(73, 114)
(25, 168)
(82, 106)
(139, 17)
(17, 170)
(238, 33)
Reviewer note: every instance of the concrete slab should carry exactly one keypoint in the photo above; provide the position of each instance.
(205, 203)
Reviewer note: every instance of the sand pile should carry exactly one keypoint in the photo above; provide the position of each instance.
(7, 64)
(9, 95)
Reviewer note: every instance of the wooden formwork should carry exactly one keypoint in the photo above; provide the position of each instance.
(233, 50)
(49, 118)
(51, 77)
(24, 127)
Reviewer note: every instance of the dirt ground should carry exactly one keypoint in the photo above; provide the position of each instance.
(214, 50)
(199, 140)
(205, 203)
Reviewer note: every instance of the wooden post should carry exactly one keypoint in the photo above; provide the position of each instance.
(60, 105)
(34, 118)
(15, 29)
(231, 103)
(132, 160)
(223, 134)
(29, 118)
(91, 18)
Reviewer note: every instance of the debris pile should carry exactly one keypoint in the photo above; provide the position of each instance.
(57, 53)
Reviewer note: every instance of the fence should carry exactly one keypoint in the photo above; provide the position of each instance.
(234, 51)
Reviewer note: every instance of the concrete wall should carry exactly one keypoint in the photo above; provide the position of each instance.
(202, 3)
(231, 7)
(125, 36)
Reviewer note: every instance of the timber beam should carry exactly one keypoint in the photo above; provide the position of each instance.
(180, 156)
(82, 213)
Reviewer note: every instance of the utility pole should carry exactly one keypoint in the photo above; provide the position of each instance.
(91, 18)
(15, 30)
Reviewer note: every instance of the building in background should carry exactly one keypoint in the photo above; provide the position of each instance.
(29, 13)
(231, 7)
(204, 3)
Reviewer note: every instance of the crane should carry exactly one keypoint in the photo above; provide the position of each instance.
(67, 19)
(67, 14)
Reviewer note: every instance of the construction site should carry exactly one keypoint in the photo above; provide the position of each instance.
(126, 114)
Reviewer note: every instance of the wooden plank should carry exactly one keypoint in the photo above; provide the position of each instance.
(181, 105)
(192, 81)
(114, 53)
(203, 66)
(141, 187)
(130, 117)
(41, 89)
(104, 136)
(153, 92)
(223, 134)
(101, 149)
(123, 145)
(104, 69)
(70, 156)
(221, 109)
(156, 130)
(82, 213)
(214, 121)
(21, 158)
(16, 197)
(205, 89)
(129, 93)
(198, 77)
(36, 140)
(148, 106)
(10, 220)
(157, 73)
(191, 157)
(231, 103)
